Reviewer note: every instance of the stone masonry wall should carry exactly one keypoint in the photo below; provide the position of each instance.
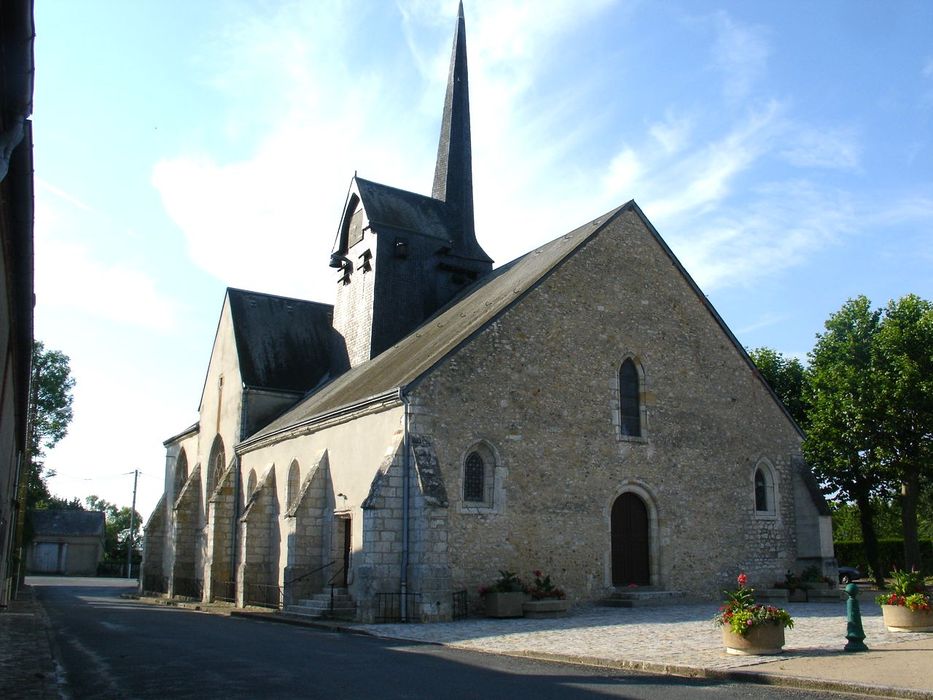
(220, 536)
(258, 566)
(381, 556)
(304, 530)
(540, 386)
(186, 533)
(154, 540)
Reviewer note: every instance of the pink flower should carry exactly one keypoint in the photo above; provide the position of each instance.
(743, 579)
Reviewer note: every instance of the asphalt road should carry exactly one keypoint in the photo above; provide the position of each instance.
(117, 648)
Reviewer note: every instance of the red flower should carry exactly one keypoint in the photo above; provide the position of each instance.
(742, 579)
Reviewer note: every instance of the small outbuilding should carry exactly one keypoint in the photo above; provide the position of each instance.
(66, 542)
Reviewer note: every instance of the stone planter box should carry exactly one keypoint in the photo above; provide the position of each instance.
(825, 595)
(898, 618)
(761, 640)
(772, 595)
(547, 607)
(504, 604)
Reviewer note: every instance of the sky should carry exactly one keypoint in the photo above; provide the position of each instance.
(784, 150)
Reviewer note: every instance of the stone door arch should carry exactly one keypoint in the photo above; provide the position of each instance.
(631, 541)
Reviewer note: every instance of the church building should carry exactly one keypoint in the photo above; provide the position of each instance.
(582, 410)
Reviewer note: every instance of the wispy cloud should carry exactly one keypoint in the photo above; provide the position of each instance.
(61, 194)
(71, 278)
(809, 147)
(741, 53)
(672, 134)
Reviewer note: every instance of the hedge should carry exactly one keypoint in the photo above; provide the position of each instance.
(891, 554)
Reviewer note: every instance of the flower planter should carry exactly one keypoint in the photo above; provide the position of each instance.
(760, 640)
(546, 607)
(898, 618)
(504, 604)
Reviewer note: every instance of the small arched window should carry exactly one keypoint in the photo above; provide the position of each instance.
(629, 400)
(293, 484)
(478, 479)
(765, 492)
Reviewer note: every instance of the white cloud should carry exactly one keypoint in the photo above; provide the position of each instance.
(927, 70)
(623, 171)
(238, 217)
(741, 53)
(672, 134)
(71, 275)
(809, 147)
(61, 194)
(701, 179)
(71, 278)
(780, 226)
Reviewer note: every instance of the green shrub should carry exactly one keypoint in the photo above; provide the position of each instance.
(891, 553)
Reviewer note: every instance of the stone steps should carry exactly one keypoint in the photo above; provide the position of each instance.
(323, 606)
(642, 598)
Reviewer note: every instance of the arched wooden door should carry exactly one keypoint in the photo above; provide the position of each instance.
(629, 522)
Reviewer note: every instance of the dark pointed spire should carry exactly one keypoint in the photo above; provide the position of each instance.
(453, 174)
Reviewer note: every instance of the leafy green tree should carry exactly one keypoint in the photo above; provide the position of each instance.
(887, 518)
(50, 415)
(787, 377)
(843, 429)
(117, 527)
(903, 361)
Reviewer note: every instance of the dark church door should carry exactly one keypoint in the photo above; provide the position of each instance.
(630, 541)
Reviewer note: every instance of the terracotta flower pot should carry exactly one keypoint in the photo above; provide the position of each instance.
(760, 640)
(898, 618)
(504, 604)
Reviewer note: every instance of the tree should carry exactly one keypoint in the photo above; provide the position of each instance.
(786, 377)
(843, 418)
(117, 527)
(903, 360)
(50, 415)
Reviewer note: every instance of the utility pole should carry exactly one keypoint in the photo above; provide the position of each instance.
(129, 539)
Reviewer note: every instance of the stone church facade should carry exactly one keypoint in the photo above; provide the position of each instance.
(582, 410)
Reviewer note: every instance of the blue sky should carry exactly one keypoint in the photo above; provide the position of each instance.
(784, 150)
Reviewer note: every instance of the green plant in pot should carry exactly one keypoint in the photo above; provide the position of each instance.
(906, 606)
(749, 627)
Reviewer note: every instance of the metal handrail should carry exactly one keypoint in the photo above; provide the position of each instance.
(308, 573)
(333, 585)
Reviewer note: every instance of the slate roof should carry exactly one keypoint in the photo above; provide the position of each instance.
(67, 523)
(443, 333)
(282, 343)
(390, 207)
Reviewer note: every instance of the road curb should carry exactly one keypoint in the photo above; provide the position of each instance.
(756, 677)
(741, 676)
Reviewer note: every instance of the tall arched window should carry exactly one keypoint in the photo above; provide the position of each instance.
(629, 400)
(293, 484)
(181, 472)
(474, 478)
(216, 464)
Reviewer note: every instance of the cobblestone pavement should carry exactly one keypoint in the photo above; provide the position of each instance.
(27, 669)
(681, 636)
